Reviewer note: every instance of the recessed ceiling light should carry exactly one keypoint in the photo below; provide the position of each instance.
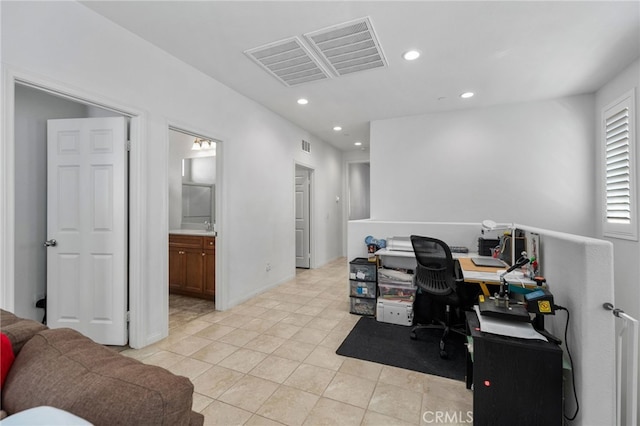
(358, 143)
(411, 55)
(466, 95)
(337, 128)
(303, 101)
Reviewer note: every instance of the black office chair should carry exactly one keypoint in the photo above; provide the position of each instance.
(439, 278)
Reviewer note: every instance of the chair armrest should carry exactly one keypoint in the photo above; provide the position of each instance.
(457, 270)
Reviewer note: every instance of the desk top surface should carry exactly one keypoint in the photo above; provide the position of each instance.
(473, 273)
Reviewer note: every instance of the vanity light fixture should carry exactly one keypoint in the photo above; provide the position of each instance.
(358, 143)
(201, 144)
(411, 55)
(467, 95)
(337, 128)
(303, 101)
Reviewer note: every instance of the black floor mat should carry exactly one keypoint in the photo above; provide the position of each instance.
(390, 344)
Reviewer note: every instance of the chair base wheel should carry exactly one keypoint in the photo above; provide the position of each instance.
(413, 336)
(444, 355)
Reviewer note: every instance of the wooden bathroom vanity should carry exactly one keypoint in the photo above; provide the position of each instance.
(192, 264)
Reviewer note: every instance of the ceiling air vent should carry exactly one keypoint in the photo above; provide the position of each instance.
(349, 47)
(289, 61)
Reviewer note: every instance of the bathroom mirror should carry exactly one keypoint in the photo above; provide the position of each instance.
(198, 190)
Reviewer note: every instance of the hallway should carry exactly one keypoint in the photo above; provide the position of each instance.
(272, 361)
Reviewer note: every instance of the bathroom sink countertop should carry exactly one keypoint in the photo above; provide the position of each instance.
(193, 232)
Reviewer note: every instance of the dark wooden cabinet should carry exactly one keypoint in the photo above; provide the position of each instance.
(515, 381)
(209, 266)
(192, 265)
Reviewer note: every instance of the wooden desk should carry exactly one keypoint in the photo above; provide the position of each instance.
(480, 275)
(484, 276)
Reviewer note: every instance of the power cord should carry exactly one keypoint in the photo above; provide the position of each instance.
(573, 373)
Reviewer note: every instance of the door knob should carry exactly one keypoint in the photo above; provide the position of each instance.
(50, 243)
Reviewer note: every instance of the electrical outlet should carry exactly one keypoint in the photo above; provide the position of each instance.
(268, 267)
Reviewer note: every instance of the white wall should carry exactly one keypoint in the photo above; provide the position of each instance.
(627, 267)
(75, 48)
(529, 163)
(627, 253)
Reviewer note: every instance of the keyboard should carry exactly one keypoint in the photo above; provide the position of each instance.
(459, 249)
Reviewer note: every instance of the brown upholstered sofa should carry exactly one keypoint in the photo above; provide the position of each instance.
(62, 368)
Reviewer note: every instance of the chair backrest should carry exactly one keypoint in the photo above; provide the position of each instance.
(435, 273)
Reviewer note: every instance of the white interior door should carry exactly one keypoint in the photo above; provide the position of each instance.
(303, 250)
(87, 218)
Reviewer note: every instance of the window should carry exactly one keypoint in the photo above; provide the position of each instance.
(618, 125)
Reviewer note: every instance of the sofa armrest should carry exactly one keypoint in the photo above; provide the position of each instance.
(64, 369)
(18, 330)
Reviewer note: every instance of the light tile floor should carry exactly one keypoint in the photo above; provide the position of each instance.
(272, 361)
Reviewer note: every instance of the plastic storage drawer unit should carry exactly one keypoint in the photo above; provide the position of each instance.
(362, 270)
(362, 289)
(395, 277)
(397, 292)
(362, 306)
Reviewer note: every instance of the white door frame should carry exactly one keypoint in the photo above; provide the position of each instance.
(222, 294)
(312, 248)
(137, 184)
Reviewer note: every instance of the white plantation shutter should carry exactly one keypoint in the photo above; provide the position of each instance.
(618, 168)
(619, 146)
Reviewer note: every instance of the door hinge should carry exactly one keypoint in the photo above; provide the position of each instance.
(128, 145)
(128, 316)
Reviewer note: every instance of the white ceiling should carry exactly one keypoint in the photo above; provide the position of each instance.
(504, 51)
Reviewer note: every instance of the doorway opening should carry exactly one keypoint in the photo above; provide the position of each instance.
(359, 190)
(303, 216)
(34, 105)
(194, 174)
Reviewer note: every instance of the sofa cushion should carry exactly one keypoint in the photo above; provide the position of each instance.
(18, 330)
(64, 369)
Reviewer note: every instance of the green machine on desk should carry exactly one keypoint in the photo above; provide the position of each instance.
(538, 302)
(500, 306)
